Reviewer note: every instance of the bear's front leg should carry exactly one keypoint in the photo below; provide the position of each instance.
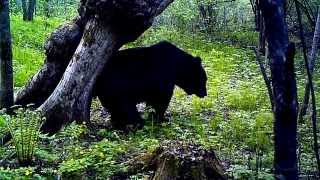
(124, 116)
(160, 104)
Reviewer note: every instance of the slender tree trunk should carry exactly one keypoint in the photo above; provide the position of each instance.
(281, 56)
(265, 78)
(31, 9)
(28, 9)
(18, 2)
(315, 44)
(254, 7)
(308, 11)
(6, 72)
(262, 35)
(47, 8)
(313, 57)
(310, 82)
(225, 18)
(24, 9)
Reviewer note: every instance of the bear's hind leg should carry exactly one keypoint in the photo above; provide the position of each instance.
(118, 120)
(134, 117)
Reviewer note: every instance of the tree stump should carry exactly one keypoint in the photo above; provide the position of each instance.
(177, 160)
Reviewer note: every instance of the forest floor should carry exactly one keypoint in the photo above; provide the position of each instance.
(234, 119)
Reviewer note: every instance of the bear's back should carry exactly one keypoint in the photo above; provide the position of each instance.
(135, 73)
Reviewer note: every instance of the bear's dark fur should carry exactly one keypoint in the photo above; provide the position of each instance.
(147, 74)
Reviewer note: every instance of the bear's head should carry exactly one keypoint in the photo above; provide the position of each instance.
(189, 73)
(192, 77)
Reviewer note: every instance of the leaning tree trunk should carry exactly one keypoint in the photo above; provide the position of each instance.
(72, 97)
(109, 25)
(281, 55)
(6, 73)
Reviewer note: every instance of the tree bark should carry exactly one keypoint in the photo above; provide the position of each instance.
(46, 8)
(257, 14)
(281, 56)
(72, 97)
(6, 72)
(28, 8)
(24, 9)
(262, 36)
(110, 24)
(31, 9)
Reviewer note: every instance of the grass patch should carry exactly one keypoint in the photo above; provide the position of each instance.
(28, 39)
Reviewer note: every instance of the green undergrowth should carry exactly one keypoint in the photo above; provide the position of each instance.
(28, 40)
(234, 119)
(238, 38)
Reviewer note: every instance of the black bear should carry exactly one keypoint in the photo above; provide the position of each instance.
(147, 74)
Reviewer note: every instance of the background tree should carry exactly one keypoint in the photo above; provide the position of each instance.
(312, 61)
(28, 9)
(281, 56)
(6, 72)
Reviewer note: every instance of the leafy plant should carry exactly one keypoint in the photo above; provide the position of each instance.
(99, 158)
(24, 127)
(244, 99)
(20, 173)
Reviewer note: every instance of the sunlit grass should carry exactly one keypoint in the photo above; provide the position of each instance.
(28, 40)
